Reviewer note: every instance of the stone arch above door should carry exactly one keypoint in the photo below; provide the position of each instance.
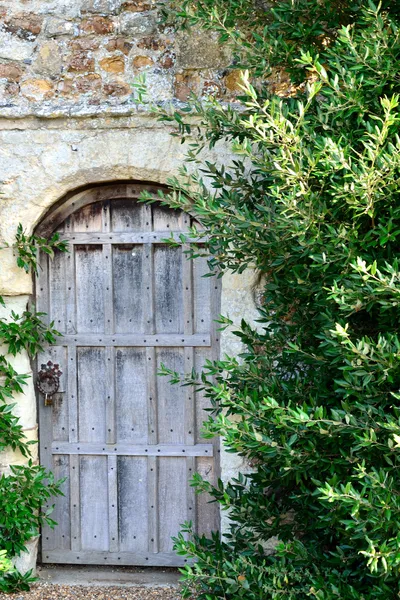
(126, 440)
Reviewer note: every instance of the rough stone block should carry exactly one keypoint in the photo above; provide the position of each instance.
(81, 62)
(136, 6)
(37, 90)
(13, 48)
(26, 26)
(117, 89)
(98, 25)
(121, 44)
(87, 83)
(13, 280)
(55, 27)
(9, 457)
(138, 24)
(48, 60)
(12, 71)
(113, 64)
(105, 7)
(139, 62)
(201, 50)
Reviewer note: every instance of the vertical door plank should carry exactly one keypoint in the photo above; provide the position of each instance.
(168, 289)
(94, 503)
(57, 299)
(108, 289)
(74, 478)
(72, 387)
(172, 499)
(153, 503)
(133, 504)
(113, 503)
(131, 395)
(92, 371)
(170, 399)
(130, 294)
(110, 404)
(90, 288)
(70, 291)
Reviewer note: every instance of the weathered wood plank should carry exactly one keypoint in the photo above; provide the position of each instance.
(145, 340)
(92, 395)
(172, 505)
(89, 289)
(72, 387)
(131, 395)
(133, 504)
(70, 291)
(108, 289)
(170, 400)
(153, 504)
(75, 502)
(129, 296)
(110, 403)
(94, 503)
(95, 448)
(112, 503)
(168, 310)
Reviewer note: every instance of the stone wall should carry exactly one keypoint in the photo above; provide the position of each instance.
(73, 53)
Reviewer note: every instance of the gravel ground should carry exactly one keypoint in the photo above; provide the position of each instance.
(49, 591)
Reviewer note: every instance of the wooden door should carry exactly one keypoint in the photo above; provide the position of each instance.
(126, 440)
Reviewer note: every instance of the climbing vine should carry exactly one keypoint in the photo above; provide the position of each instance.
(27, 488)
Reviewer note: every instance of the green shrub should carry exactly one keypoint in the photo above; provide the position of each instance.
(311, 201)
(28, 488)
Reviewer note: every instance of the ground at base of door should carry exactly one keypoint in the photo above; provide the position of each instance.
(74, 582)
(50, 591)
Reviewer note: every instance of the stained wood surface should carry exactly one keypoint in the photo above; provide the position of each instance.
(127, 441)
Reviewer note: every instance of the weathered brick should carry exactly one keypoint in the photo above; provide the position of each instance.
(117, 89)
(11, 71)
(139, 62)
(87, 83)
(121, 44)
(98, 25)
(80, 62)
(26, 26)
(113, 64)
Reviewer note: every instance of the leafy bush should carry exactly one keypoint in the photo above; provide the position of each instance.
(25, 491)
(311, 202)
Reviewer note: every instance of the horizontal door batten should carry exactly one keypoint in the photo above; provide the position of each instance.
(93, 557)
(175, 340)
(125, 237)
(123, 449)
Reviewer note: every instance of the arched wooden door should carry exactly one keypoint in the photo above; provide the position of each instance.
(126, 440)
